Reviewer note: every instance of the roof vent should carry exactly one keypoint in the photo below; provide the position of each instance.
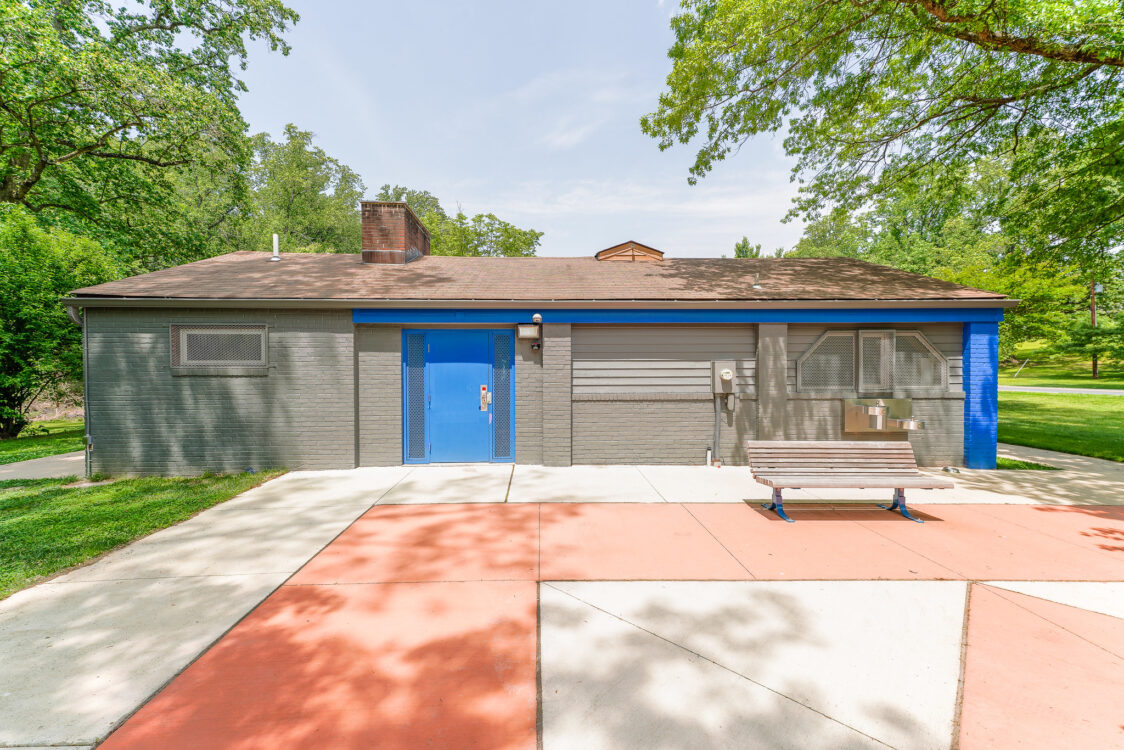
(631, 251)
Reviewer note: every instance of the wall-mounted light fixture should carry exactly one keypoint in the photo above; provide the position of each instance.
(532, 331)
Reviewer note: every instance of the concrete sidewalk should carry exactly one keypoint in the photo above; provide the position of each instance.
(82, 651)
(48, 467)
(667, 625)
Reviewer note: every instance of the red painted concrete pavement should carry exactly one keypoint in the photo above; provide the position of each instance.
(417, 626)
(1041, 675)
(394, 666)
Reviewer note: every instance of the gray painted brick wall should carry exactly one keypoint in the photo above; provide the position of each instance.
(379, 388)
(772, 391)
(528, 404)
(143, 420)
(556, 395)
(941, 443)
(659, 432)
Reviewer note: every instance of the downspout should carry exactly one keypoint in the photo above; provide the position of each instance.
(80, 321)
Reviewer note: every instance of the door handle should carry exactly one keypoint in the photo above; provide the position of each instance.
(485, 398)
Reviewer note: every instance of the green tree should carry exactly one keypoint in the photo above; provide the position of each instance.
(1105, 340)
(302, 194)
(745, 250)
(946, 226)
(830, 236)
(39, 347)
(98, 104)
(460, 234)
(872, 93)
(421, 202)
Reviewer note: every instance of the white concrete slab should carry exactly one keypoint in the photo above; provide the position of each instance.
(61, 465)
(1106, 598)
(451, 483)
(706, 484)
(225, 542)
(79, 657)
(80, 652)
(607, 685)
(880, 658)
(304, 489)
(581, 484)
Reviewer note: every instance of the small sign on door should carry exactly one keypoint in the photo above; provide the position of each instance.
(483, 398)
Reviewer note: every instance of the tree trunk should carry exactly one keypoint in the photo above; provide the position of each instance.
(10, 427)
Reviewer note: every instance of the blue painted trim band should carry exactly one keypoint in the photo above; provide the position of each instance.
(981, 394)
(422, 316)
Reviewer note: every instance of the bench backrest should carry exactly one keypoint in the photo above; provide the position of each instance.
(818, 457)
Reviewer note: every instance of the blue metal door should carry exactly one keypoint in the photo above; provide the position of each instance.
(459, 370)
(458, 396)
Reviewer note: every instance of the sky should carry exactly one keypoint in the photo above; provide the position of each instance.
(528, 110)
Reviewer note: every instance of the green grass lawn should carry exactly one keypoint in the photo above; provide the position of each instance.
(46, 527)
(1007, 464)
(1059, 372)
(44, 439)
(1088, 425)
(1063, 374)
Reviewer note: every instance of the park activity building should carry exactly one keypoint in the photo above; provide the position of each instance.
(393, 355)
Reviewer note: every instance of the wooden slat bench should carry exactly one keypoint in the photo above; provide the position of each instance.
(796, 464)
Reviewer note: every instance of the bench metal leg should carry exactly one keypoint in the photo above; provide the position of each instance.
(899, 505)
(778, 505)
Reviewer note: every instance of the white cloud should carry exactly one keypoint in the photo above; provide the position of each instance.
(569, 133)
(582, 216)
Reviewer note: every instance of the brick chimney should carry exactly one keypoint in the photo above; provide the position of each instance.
(392, 233)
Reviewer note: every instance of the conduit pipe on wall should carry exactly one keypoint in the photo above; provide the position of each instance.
(717, 428)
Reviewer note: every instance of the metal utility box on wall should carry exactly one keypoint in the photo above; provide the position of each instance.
(879, 415)
(722, 374)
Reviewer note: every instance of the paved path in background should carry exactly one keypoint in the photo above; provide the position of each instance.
(1084, 391)
(48, 467)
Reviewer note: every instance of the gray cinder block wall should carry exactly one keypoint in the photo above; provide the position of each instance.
(332, 396)
(378, 386)
(556, 394)
(644, 394)
(819, 416)
(143, 419)
(528, 403)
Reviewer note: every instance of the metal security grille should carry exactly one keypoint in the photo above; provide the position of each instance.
(829, 365)
(874, 360)
(501, 395)
(916, 363)
(415, 395)
(219, 346)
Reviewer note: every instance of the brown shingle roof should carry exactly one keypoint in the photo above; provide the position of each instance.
(248, 275)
